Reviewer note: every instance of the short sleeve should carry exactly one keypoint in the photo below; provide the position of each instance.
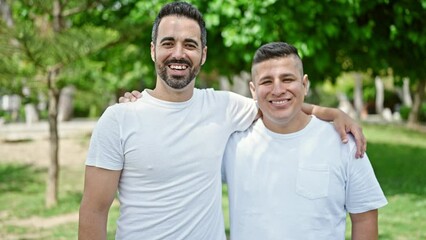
(363, 189)
(105, 149)
(242, 111)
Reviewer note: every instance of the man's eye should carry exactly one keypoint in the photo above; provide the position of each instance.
(265, 82)
(191, 46)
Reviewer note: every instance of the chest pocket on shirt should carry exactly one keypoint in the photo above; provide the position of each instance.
(312, 181)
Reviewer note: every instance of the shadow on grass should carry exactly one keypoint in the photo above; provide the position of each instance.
(399, 169)
(19, 178)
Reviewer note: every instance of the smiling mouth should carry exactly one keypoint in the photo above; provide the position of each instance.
(177, 67)
(279, 102)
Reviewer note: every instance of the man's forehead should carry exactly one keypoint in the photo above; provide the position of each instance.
(274, 66)
(181, 23)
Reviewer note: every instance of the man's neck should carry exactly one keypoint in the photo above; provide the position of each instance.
(292, 125)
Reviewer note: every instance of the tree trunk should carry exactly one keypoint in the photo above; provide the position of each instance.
(358, 102)
(380, 95)
(54, 93)
(6, 13)
(413, 118)
(31, 114)
(53, 171)
(65, 108)
(406, 96)
(58, 21)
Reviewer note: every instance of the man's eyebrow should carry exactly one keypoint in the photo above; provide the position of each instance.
(284, 75)
(186, 40)
(167, 39)
(267, 77)
(192, 41)
(287, 75)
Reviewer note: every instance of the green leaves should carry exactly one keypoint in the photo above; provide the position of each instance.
(332, 36)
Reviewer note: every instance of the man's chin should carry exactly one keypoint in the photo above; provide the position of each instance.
(178, 85)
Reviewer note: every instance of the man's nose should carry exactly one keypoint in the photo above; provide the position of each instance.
(278, 87)
(179, 51)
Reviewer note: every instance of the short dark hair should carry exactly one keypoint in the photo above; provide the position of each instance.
(275, 50)
(180, 9)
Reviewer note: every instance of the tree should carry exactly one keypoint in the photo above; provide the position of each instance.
(395, 38)
(408, 37)
(45, 48)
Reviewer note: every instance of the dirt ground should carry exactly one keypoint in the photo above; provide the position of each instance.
(29, 143)
(72, 152)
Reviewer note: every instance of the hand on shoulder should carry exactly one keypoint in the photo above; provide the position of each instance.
(130, 96)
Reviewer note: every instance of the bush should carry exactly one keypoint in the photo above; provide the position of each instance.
(405, 112)
(422, 114)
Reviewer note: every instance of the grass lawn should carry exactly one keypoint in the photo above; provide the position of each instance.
(398, 157)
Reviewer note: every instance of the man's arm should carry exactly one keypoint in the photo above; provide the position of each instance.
(343, 124)
(100, 187)
(364, 225)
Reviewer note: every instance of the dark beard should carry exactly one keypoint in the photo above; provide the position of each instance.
(177, 82)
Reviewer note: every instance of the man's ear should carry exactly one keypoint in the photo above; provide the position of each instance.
(306, 83)
(152, 52)
(204, 55)
(253, 90)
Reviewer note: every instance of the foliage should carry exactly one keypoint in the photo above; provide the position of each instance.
(332, 37)
(126, 62)
(405, 111)
(32, 48)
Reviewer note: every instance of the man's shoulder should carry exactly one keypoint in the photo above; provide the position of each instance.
(250, 135)
(222, 96)
(325, 126)
(216, 92)
(119, 107)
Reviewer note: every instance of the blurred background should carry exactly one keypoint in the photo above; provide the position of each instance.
(63, 62)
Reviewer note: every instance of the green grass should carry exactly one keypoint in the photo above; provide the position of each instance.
(398, 156)
(22, 189)
(399, 159)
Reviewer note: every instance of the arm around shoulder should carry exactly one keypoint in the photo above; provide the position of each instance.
(100, 187)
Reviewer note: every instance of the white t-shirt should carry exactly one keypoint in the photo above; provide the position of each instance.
(296, 186)
(170, 156)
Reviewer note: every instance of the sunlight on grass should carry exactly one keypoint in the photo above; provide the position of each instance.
(398, 156)
(394, 134)
(404, 217)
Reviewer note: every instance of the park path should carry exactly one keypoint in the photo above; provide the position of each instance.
(29, 144)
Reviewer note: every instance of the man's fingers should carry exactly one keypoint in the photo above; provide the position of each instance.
(343, 134)
(123, 100)
(130, 97)
(136, 94)
(361, 142)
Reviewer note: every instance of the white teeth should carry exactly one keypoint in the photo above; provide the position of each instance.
(178, 67)
(279, 102)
